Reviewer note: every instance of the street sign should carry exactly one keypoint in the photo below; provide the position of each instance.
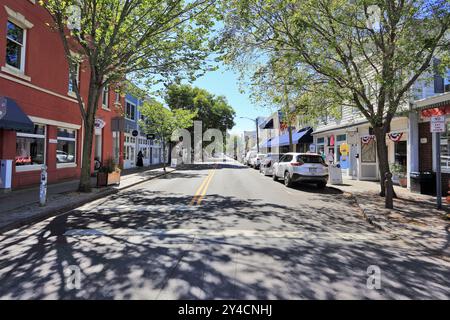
(151, 137)
(437, 124)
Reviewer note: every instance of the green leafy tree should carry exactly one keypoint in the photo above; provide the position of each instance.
(213, 111)
(146, 40)
(370, 52)
(163, 122)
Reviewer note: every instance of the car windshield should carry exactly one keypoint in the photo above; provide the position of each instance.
(307, 158)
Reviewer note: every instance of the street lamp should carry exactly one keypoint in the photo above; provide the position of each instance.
(257, 130)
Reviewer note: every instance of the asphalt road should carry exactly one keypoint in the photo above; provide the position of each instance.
(216, 231)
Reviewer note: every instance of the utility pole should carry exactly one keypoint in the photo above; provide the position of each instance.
(257, 135)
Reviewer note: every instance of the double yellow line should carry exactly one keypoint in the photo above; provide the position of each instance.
(201, 191)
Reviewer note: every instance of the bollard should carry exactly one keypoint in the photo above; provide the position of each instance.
(389, 197)
(43, 188)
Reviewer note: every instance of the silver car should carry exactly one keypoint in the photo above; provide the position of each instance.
(301, 167)
(268, 162)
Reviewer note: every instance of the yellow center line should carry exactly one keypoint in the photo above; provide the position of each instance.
(200, 199)
(201, 191)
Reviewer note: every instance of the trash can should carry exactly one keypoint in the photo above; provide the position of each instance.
(428, 183)
(423, 182)
(415, 182)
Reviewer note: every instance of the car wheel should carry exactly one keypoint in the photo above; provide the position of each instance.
(287, 180)
(321, 185)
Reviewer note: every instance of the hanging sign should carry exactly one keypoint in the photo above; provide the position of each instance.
(345, 149)
(437, 124)
(396, 137)
(99, 123)
(367, 139)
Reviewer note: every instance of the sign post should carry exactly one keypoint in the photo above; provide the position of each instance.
(437, 125)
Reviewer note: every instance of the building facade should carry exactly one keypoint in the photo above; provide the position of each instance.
(135, 140)
(40, 121)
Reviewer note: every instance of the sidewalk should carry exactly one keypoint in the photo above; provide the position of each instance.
(414, 218)
(22, 206)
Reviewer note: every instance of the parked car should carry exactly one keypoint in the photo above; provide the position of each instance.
(256, 162)
(249, 158)
(268, 162)
(301, 167)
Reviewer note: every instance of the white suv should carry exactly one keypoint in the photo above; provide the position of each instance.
(301, 167)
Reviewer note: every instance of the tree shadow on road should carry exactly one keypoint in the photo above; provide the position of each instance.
(134, 264)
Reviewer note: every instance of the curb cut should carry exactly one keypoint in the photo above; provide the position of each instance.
(55, 212)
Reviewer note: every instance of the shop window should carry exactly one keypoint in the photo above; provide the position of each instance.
(30, 148)
(401, 157)
(445, 150)
(67, 145)
(15, 46)
(369, 152)
(341, 138)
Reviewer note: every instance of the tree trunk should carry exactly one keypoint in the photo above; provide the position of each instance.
(85, 179)
(383, 161)
(93, 98)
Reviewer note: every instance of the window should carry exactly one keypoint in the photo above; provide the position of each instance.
(341, 138)
(67, 145)
(30, 148)
(130, 111)
(77, 76)
(401, 154)
(445, 150)
(369, 152)
(117, 98)
(287, 158)
(310, 159)
(105, 97)
(15, 46)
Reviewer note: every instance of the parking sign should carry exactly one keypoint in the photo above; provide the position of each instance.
(437, 124)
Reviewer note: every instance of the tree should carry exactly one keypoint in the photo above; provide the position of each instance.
(140, 39)
(371, 52)
(164, 122)
(213, 111)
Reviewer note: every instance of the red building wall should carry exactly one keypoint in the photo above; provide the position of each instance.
(46, 95)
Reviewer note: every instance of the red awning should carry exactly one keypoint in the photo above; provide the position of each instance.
(441, 111)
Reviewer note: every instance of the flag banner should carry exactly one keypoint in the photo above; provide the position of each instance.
(367, 139)
(396, 137)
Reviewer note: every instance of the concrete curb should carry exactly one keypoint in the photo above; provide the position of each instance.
(369, 218)
(54, 212)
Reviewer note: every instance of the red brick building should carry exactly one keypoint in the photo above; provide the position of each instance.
(34, 79)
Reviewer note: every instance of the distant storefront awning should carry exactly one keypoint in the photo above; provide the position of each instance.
(13, 118)
(268, 124)
(265, 144)
(303, 135)
(434, 112)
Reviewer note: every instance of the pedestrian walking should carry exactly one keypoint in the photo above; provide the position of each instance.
(140, 159)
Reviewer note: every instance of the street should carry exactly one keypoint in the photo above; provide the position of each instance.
(216, 231)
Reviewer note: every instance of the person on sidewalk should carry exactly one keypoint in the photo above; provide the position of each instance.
(140, 159)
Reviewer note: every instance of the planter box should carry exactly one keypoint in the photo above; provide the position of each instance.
(107, 179)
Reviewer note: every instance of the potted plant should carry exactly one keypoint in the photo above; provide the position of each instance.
(108, 174)
(399, 171)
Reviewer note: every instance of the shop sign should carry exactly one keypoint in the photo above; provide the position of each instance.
(312, 148)
(52, 141)
(345, 149)
(99, 124)
(437, 124)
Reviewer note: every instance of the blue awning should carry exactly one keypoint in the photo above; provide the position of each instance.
(12, 117)
(296, 138)
(265, 144)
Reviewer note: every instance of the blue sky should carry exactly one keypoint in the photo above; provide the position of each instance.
(226, 82)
